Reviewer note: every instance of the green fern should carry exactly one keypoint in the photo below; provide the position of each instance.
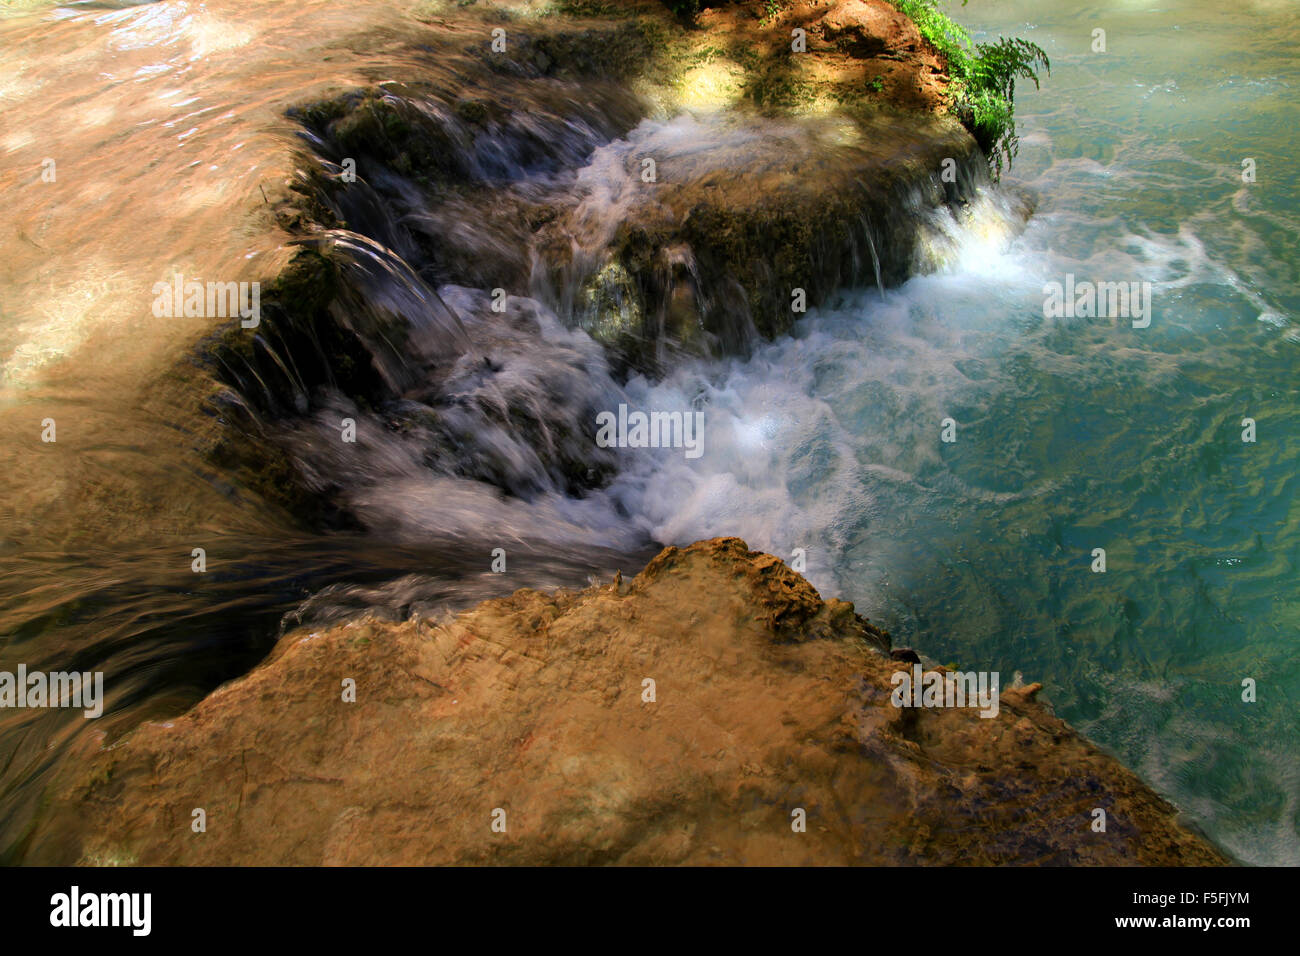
(983, 78)
(944, 33)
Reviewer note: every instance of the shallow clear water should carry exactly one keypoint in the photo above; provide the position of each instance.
(1072, 433)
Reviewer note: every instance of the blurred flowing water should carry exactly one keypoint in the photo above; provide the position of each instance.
(170, 129)
(1072, 434)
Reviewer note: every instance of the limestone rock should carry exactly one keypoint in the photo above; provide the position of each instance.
(680, 718)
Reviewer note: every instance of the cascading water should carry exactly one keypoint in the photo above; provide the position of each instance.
(474, 409)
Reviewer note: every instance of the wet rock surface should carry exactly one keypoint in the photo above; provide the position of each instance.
(582, 187)
(766, 700)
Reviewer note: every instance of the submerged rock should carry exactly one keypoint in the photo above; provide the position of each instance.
(715, 709)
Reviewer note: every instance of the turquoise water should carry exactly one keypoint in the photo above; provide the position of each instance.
(1071, 433)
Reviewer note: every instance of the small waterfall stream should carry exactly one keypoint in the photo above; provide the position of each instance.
(470, 267)
(466, 260)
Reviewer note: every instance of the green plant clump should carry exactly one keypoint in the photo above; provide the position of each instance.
(983, 76)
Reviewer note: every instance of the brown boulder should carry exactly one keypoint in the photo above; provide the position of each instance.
(769, 706)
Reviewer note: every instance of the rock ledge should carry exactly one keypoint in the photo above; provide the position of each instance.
(767, 700)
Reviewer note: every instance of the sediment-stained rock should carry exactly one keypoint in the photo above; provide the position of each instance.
(766, 700)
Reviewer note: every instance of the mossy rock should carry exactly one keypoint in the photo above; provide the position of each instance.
(380, 126)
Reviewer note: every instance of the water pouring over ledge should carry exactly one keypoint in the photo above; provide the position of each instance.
(474, 423)
(853, 515)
